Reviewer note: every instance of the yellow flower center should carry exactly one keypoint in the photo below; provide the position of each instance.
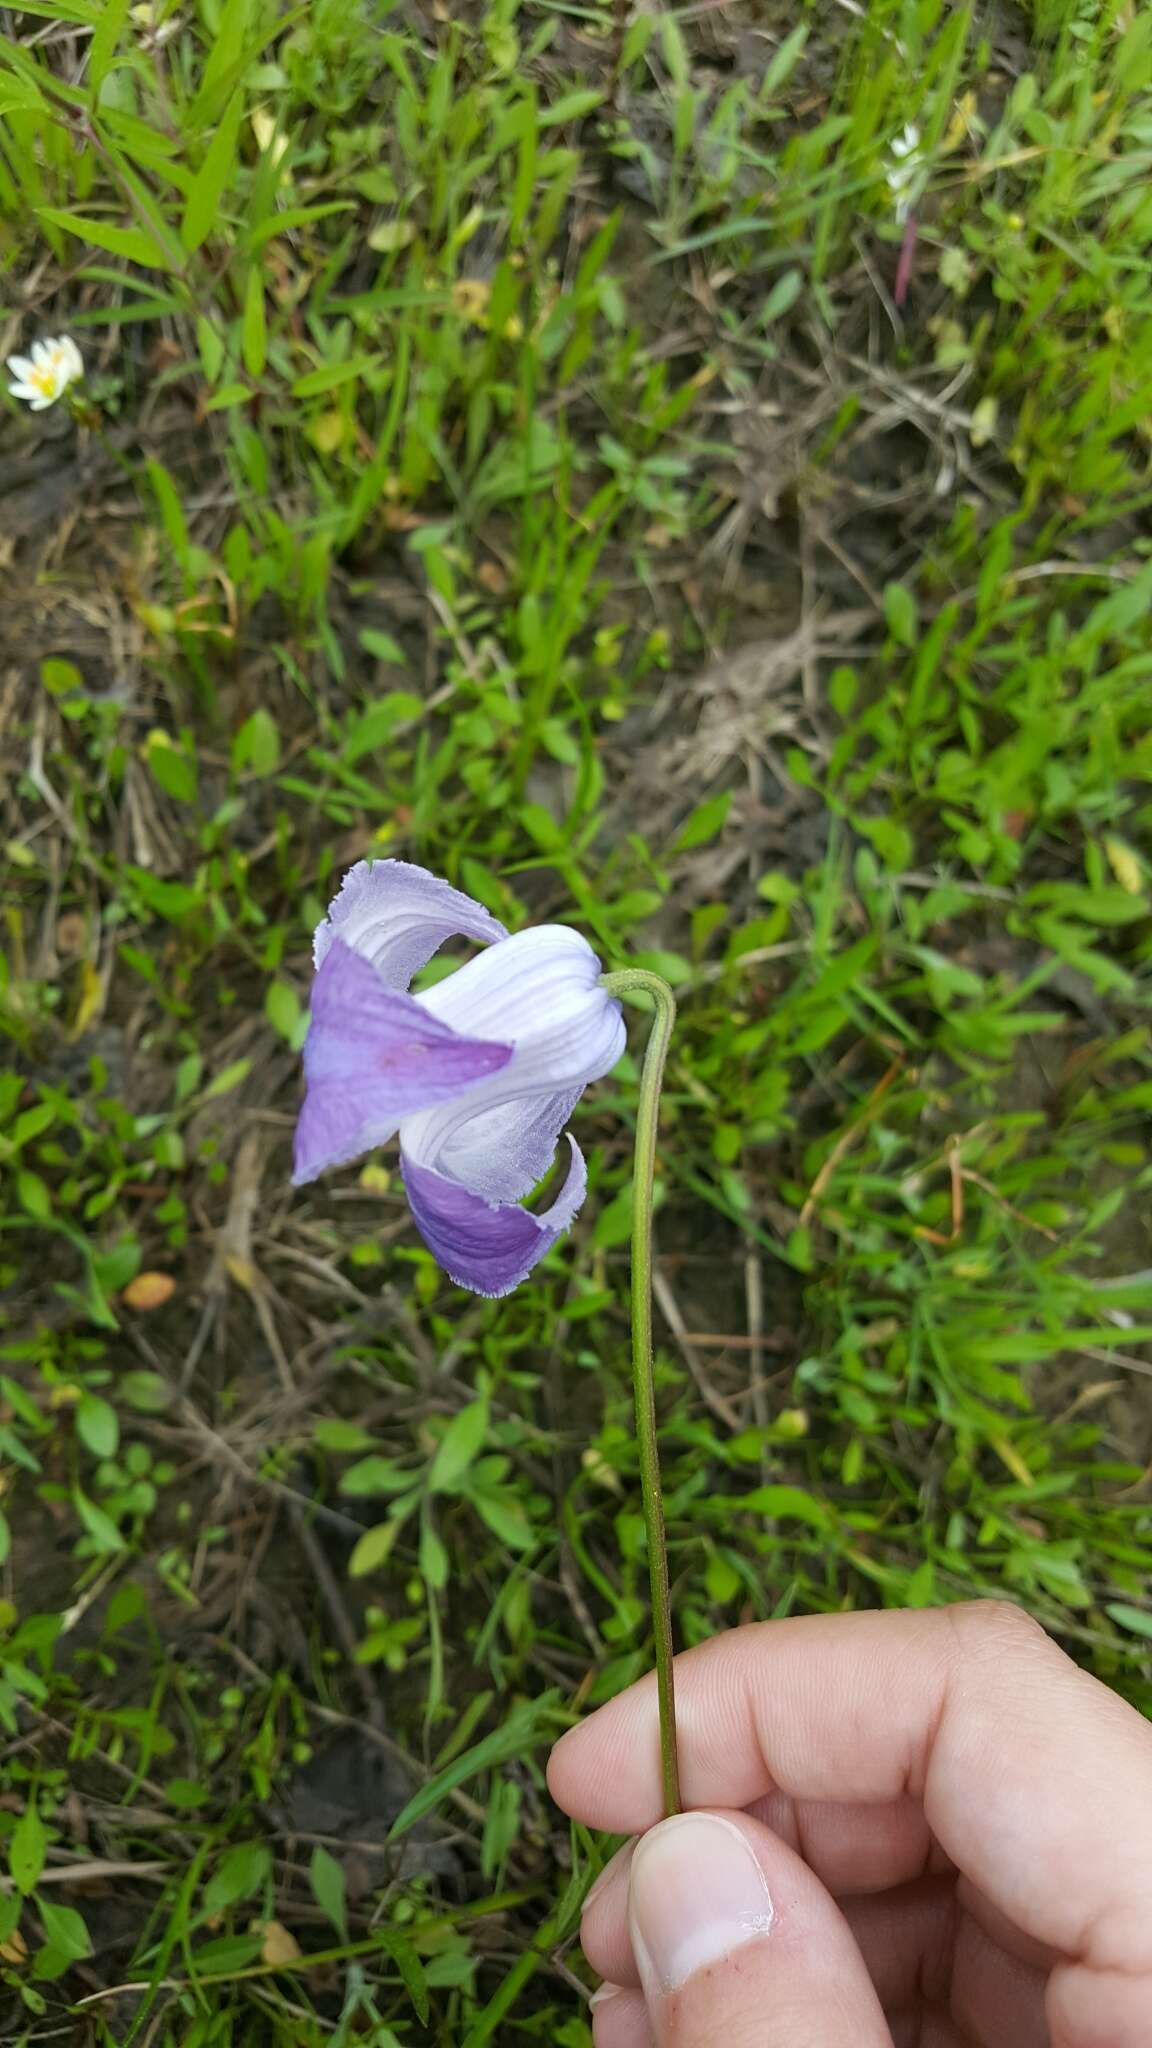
(45, 379)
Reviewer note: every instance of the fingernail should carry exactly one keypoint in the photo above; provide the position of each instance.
(697, 1892)
(603, 1994)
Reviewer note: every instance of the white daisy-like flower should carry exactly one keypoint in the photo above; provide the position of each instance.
(906, 170)
(44, 376)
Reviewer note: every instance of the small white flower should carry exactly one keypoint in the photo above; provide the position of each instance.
(44, 376)
(906, 172)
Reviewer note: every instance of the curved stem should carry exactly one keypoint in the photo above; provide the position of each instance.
(629, 981)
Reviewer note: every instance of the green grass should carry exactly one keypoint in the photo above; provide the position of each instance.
(501, 448)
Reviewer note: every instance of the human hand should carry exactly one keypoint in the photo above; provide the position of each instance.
(935, 1832)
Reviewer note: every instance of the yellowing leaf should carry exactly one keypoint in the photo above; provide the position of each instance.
(242, 1271)
(279, 1944)
(1125, 866)
(327, 431)
(149, 1290)
(1010, 1456)
(91, 1001)
(390, 236)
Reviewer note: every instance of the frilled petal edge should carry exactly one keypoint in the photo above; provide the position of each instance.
(373, 1056)
(489, 1247)
(397, 915)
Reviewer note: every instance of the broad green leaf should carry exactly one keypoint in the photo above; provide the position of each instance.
(131, 243)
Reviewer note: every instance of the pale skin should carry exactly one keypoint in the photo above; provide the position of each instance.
(949, 1823)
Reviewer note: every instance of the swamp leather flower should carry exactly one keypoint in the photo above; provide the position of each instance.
(478, 1074)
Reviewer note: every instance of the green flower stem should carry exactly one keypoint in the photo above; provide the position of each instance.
(636, 981)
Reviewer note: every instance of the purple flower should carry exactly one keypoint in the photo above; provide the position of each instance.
(478, 1074)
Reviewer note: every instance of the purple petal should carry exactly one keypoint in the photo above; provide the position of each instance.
(397, 915)
(371, 1057)
(487, 1246)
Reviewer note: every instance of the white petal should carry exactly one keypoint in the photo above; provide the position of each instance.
(540, 992)
(73, 360)
(42, 354)
(19, 367)
(397, 915)
(43, 401)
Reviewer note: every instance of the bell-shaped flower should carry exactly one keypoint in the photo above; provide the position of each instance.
(478, 1074)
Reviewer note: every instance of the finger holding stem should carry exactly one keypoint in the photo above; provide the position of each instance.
(636, 981)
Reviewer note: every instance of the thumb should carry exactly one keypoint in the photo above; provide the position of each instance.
(738, 1945)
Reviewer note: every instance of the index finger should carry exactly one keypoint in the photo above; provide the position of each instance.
(1035, 1779)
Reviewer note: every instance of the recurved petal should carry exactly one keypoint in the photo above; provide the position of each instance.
(487, 1246)
(396, 915)
(541, 990)
(373, 1056)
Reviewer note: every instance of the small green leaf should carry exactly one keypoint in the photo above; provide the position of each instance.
(458, 1446)
(374, 1547)
(506, 1519)
(227, 1079)
(331, 375)
(240, 1872)
(705, 822)
(60, 677)
(282, 1009)
(97, 1426)
(254, 333)
(783, 295)
(202, 206)
(33, 1196)
(27, 1848)
(1137, 1620)
(257, 745)
(171, 767)
(433, 1558)
(901, 614)
(65, 1930)
(374, 1474)
(326, 1877)
(100, 1526)
(409, 1967)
